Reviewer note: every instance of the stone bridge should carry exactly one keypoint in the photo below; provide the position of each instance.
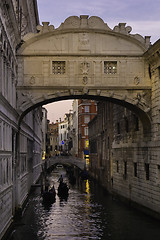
(69, 160)
(84, 58)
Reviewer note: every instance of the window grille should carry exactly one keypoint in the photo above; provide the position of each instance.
(135, 169)
(110, 67)
(147, 170)
(58, 67)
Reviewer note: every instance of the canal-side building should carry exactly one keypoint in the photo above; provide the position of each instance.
(65, 133)
(44, 132)
(123, 156)
(20, 143)
(53, 138)
(74, 133)
(87, 110)
(100, 144)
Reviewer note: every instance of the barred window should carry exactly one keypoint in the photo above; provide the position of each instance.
(147, 170)
(135, 169)
(110, 67)
(58, 67)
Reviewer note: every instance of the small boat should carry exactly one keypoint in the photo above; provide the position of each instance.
(49, 196)
(63, 190)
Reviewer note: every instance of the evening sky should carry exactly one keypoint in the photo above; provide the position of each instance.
(142, 15)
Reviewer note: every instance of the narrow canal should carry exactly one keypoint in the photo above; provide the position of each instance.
(88, 213)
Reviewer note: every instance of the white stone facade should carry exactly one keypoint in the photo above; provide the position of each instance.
(20, 145)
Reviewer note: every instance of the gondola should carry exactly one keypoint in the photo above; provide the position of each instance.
(63, 190)
(49, 196)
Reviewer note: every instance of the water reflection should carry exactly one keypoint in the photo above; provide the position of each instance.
(87, 214)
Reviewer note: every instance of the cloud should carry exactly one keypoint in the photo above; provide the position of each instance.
(141, 15)
(132, 10)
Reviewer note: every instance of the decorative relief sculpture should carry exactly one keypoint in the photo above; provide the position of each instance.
(85, 80)
(32, 80)
(85, 66)
(23, 97)
(84, 41)
(45, 27)
(136, 80)
(86, 22)
(143, 98)
(85, 91)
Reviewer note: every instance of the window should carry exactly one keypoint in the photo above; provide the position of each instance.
(136, 120)
(147, 170)
(135, 169)
(125, 170)
(117, 166)
(158, 179)
(86, 119)
(93, 146)
(126, 125)
(110, 67)
(118, 128)
(86, 131)
(86, 108)
(159, 71)
(87, 143)
(58, 67)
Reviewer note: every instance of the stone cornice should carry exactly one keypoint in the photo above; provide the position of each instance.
(84, 24)
(153, 53)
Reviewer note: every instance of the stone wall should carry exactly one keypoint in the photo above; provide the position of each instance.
(14, 170)
(126, 161)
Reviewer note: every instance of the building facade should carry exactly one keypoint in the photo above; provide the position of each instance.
(87, 110)
(74, 133)
(100, 144)
(54, 138)
(123, 156)
(20, 144)
(44, 132)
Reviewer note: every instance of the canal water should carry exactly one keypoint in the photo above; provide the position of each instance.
(88, 213)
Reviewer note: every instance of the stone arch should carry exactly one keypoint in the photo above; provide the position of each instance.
(140, 112)
(83, 48)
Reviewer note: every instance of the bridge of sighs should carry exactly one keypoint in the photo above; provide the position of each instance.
(84, 58)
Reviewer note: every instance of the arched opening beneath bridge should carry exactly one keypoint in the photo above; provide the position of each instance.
(143, 116)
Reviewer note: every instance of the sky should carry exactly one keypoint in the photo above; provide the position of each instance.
(142, 15)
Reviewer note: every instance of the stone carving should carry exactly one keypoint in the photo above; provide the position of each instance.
(45, 27)
(121, 28)
(85, 91)
(23, 97)
(85, 70)
(97, 22)
(71, 91)
(85, 80)
(85, 67)
(136, 80)
(84, 41)
(71, 22)
(32, 80)
(84, 22)
(98, 92)
(143, 99)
